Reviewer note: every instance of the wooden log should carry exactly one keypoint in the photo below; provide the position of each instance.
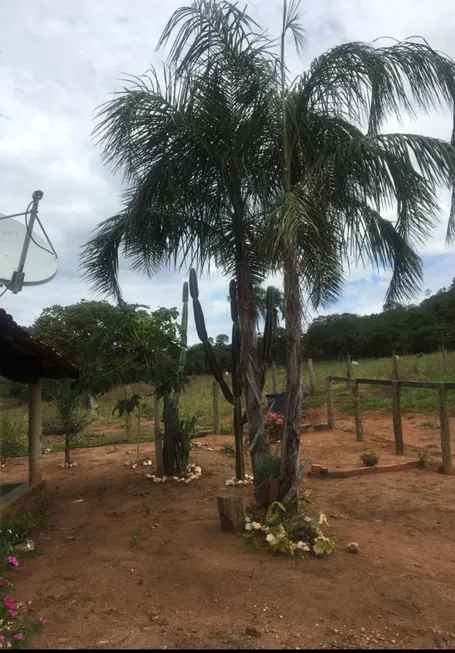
(216, 408)
(357, 413)
(397, 425)
(232, 513)
(274, 384)
(445, 430)
(330, 416)
(311, 376)
(348, 371)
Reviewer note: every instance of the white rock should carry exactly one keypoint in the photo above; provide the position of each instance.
(248, 520)
(257, 526)
(271, 539)
(187, 480)
(352, 547)
(175, 478)
(164, 478)
(148, 476)
(157, 480)
(230, 482)
(47, 451)
(248, 527)
(303, 546)
(239, 482)
(134, 465)
(181, 480)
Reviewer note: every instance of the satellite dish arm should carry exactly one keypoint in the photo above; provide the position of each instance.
(18, 275)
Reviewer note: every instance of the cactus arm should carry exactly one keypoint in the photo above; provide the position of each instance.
(203, 337)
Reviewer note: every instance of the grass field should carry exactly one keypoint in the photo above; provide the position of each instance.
(197, 400)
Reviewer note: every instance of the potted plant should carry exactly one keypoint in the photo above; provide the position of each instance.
(274, 427)
(266, 479)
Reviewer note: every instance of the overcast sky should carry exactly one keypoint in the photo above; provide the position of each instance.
(60, 60)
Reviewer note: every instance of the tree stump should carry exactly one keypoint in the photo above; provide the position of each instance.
(232, 513)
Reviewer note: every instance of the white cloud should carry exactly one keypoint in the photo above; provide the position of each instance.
(59, 61)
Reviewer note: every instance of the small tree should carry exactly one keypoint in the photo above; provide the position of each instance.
(71, 415)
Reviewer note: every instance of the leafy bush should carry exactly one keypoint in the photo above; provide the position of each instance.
(13, 438)
(227, 450)
(369, 459)
(301, 533)
(269, 467)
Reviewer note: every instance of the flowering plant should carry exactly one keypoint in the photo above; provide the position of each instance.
(274, 426)
(16, 626)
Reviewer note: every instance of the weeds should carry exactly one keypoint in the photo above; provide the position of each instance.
(369, 459)
(227, 449)
(135, 537)
(423, 458)
(18, 528)
(429, 425)
(13, 438)
(99, 493)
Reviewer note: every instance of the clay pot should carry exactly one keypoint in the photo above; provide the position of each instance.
(267, 490)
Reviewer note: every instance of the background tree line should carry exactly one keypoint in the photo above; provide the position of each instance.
(412, 329)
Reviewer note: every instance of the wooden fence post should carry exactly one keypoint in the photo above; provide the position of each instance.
(348, 371)
(311, 376)
(126, 395)
(444, 359)
(397, 425)
(445, 430)
(216, 409)
(395, 372)
(159, 460)
(274, 376)
(330, 417)
(357, 414)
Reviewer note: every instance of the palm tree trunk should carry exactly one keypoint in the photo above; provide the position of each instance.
(250, 362)
(290, 452)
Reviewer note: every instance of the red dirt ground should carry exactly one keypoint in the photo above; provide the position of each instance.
(187, 585)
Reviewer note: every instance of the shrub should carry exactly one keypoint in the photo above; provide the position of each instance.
(269, 467)
(274, 427)
(290, 534)
(369, 459)
(422, 457)
(227, 450)
(13, 438)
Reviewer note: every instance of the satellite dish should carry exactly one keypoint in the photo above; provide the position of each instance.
(26, 259)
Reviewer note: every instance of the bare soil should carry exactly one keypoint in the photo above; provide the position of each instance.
(130, 564)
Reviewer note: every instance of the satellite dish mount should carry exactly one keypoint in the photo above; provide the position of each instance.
(37, 264)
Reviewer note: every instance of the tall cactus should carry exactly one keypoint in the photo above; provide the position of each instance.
(183, 337)
(234, 397)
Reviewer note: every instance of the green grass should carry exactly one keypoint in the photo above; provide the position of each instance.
(198, 400)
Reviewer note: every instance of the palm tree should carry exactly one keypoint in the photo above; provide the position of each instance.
(234, 164)
(193, 153)
(339, 172)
